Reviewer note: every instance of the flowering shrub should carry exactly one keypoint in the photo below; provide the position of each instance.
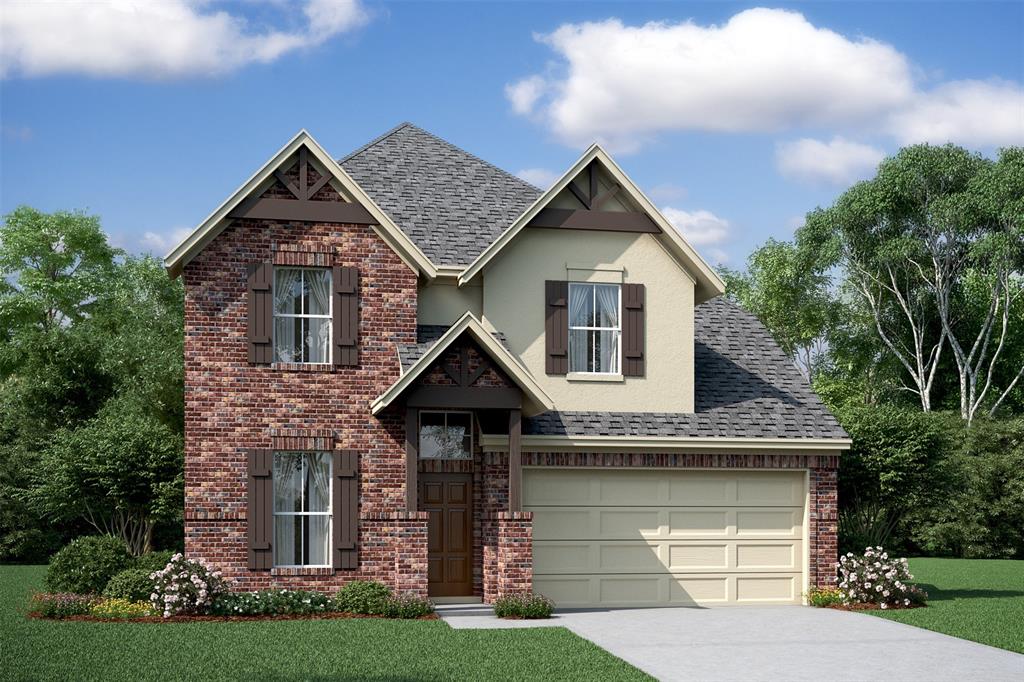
(61, 604)
(876, 578)
(825, 596)
(271, 603)
(408, 605)
(526, 605)
(185, 586)
(365, 597)
(121, 609)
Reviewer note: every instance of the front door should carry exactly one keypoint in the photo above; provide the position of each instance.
(449, 499)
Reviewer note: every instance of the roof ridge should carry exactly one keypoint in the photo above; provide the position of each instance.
(379, 138)
(443, 141)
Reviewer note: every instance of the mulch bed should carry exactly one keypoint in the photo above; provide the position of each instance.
(227, 619)
(873, 607)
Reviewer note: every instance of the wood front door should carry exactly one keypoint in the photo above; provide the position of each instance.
(449, 499)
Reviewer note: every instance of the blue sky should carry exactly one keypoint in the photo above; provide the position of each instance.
(736, 120)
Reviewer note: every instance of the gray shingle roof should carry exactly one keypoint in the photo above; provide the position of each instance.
(449, 202)
(745, 387)
(426, 336)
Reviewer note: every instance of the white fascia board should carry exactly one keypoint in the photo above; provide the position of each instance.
(499, 443)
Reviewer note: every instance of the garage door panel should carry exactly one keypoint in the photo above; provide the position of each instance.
(679, 537)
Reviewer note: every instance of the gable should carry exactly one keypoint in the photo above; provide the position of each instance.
(300, 183)
(595, 194)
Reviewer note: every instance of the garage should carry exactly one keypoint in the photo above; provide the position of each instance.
(667, 537)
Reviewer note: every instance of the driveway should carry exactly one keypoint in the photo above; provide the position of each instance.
(771, 643)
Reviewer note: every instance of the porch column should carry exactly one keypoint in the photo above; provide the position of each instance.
(412, 437)
(515, 462)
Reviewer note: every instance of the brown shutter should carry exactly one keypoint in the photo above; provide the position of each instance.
(633, 330)
(346, 316)
(261, 317)
(260, 513)
(345, 508)
(556, 327)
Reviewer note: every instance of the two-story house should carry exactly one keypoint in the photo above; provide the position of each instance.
(411, 366)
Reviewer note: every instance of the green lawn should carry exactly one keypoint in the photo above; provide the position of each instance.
(977, 599)
(366, 649)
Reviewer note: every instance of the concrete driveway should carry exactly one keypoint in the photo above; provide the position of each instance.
(771, 643)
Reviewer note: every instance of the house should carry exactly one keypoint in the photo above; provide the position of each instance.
(411, 366)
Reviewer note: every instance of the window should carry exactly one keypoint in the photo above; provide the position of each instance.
(446, 435)
(595, 328)
(302, 315)
(302, 508)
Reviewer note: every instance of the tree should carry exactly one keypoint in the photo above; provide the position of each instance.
(790, 294)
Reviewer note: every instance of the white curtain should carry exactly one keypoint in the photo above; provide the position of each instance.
(607, 315)
(580, 298)
(607, 306)
(319, 333)
(286, 341)
(287, 498)
(319, 499)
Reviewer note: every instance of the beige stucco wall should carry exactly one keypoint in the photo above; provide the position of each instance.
(442, 302)
(513, 302)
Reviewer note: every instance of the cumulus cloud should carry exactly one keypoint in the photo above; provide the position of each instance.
(764, 70)
(160, 243)
(165, 39)
(539, 177)
(838, 161)
(701, 228)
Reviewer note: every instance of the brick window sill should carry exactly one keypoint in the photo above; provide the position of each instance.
(302, 366)
(300, 570)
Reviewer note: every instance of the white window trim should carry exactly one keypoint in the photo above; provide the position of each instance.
(330, 506)
(618, 349)
(309, 316)
(419, 429)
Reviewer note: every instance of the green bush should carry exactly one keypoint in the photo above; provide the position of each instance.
(151, 562)
(408, 605)
(526, 605)
(61, 604)
(366, 597)
(121, 609)
(272, 603)
(824, 596)
(133, 584)
(87, 564)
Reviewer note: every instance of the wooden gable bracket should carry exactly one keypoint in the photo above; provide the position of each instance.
(463, 378)
(591, 217)
(302, 207)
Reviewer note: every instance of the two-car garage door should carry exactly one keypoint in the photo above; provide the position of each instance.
(657, 537)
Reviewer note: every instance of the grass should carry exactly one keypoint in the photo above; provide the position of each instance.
(365, 649)
(977, 599)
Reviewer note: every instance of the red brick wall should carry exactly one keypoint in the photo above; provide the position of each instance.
(514, 553)
(231, 406)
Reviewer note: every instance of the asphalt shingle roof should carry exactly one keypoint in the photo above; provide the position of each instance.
(745, 387)
(449, 202)
(426, 336)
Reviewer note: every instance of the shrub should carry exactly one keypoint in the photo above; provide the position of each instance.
(525, 605)
(61, 604)
(825, 596)
(876, 578)
(133, 584)
(272, 603)
(408, 605)
(86, 565)
(366, 597)
(151, 562)
(186, 586)
(121, 609)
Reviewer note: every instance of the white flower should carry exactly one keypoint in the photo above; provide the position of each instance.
(906, 602)
(885, 593)
(884, 605)
(867, 586)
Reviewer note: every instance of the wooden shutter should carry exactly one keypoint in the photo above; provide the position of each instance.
(261, 313)
(346, 316)
(260, 513)
(633, 330)
(345, 508)
(556, 327)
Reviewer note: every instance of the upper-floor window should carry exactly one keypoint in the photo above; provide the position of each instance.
(595, 328)
(446, 435)
(302, 508)
(302, 315)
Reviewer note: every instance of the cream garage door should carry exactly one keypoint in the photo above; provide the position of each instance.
(657, 537)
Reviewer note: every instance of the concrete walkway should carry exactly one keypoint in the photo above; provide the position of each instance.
(770, 643)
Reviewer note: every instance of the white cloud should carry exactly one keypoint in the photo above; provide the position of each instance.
(701, 228)
(159, 39)
(161, 243)
(764, 70)
(969, 112)
(838, 161)
(539, 177)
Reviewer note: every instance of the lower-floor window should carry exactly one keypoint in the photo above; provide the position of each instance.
(302, 508)
(446, 435)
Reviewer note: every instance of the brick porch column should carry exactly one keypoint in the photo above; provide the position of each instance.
(515, 552)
